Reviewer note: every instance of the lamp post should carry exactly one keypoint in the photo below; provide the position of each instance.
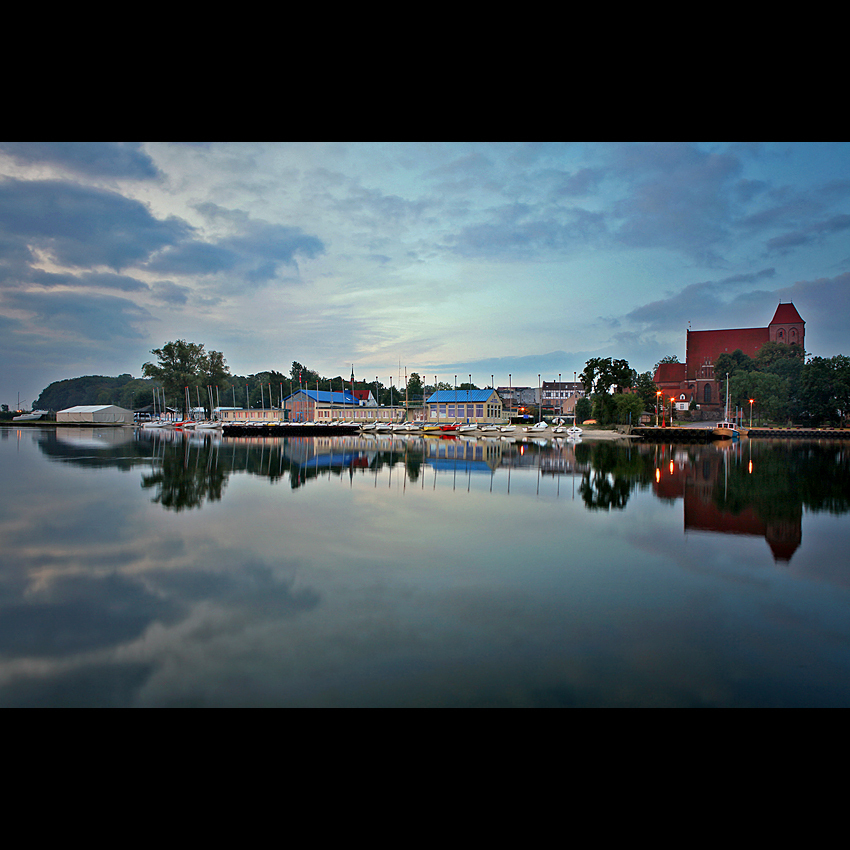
(657, 399)
(672, 400)
(539, 400)
(751, 412)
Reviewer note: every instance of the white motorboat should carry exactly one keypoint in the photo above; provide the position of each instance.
(536, 429)
(508, 429)
(726, 430)
(34, 416)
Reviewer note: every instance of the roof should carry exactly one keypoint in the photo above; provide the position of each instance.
(325, 397)
(786, 314)
(704, 347)
(461, 396)
(90, 408)
(670, 373)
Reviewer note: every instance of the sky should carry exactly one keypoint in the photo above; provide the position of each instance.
(511, 259)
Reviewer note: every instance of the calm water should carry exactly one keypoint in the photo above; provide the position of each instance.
(137, 571)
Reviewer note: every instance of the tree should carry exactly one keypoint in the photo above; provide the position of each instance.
(826, 389)
(646, 388)
(583, 410)
(182, 364)
(601, 374)
(731, 364)
(415, 389)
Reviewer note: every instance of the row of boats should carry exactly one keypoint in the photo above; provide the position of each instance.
(468, 429)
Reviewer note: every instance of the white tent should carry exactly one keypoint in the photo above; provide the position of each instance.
(96, 414)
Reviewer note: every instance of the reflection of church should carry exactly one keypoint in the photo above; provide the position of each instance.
(679, 476)
(694, 380)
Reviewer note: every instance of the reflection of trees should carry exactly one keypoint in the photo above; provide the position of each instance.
(186, 476)
(784, 478)
(613, 472)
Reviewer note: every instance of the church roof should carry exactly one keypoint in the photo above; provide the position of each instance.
(704, 347)
(670, 373)
(786, 314)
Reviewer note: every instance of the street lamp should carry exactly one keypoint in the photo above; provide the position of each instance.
(657, 399)
(672, 400)
(751, 412)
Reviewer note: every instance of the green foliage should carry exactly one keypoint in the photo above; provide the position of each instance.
(125, 391)
(785, 387)
(825, 389)
(601, 374)
(183, 364)
(732, 364)
(584, 410)
(415, 388)
(646, 388)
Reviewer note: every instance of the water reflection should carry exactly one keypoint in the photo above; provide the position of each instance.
(756, 489)
(164, 570)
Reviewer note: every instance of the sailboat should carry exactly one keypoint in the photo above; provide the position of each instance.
(726, 430)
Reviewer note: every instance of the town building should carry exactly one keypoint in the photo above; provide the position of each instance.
(464, 406)
(695, 381)
(325, 406)
(562, 396)
(515, 397)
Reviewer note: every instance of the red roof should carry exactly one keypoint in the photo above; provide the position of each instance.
(786, 314)
(704, 347)
(670, 373)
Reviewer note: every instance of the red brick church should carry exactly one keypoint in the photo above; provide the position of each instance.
(694, 380)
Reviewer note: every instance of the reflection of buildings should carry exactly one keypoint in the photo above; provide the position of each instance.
(697, 479)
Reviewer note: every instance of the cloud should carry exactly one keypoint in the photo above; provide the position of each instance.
(83, 227)
(254, 249)
(824, 304)
(92, 159)
(83, 315)
(519, 230)
(814, 233)
(680, 198)
(705, 303)
(172, 293)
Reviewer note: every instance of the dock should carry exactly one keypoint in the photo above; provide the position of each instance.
(677, 434)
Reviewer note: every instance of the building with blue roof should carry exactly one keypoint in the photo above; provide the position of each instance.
(473, 406)
(325, 406)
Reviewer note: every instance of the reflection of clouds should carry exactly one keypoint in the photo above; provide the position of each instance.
(79, 613)
(373, 590)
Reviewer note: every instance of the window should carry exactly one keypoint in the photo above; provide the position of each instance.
(707, 394)
(479, 411)
(781, 335)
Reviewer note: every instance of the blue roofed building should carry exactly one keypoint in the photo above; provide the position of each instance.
(325, 406)
(482, 406)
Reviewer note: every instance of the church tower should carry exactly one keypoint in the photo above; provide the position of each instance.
(788, 327)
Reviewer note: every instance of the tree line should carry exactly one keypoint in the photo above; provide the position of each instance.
(181, 364)
(785, 386)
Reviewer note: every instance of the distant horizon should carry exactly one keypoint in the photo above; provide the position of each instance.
(482, 258)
